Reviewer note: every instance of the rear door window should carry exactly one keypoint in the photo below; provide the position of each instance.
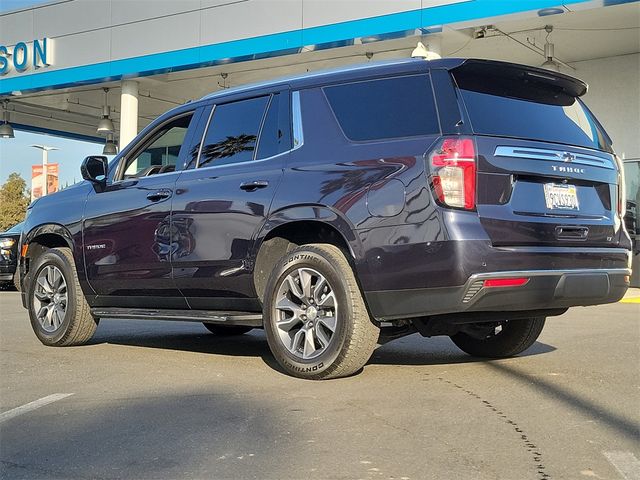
(275, 136)
(233, 132)
(386, 108)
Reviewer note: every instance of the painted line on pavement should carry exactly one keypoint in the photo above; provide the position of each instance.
(15, 412)
(625, 463)
(630, 300)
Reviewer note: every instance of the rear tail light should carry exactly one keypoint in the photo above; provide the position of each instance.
(453, 172)
(622, 195)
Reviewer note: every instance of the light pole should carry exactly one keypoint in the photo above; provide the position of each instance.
(45, 158)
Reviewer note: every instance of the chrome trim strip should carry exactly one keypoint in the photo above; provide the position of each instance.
(555, 156)
(262, 122)
(547, 273)
(204, 135)
(298, 134)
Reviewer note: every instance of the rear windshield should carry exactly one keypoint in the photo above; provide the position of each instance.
(528, 110)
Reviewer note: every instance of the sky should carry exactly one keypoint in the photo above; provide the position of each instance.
(17, 155)
(8, 5)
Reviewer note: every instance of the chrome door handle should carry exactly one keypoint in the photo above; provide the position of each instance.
(254, 185)
(159, 194)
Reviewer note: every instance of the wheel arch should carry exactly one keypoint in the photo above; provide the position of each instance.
(46, 236)
(300, 226)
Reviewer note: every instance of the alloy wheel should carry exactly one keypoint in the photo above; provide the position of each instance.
(306, 313)
(50, 298)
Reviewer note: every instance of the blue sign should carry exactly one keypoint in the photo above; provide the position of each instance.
(25, 55)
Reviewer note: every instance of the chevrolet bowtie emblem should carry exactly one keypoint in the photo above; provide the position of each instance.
(568, 157)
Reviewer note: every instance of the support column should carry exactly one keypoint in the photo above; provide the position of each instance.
(128, 112)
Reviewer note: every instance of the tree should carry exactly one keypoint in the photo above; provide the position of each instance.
(13, 201)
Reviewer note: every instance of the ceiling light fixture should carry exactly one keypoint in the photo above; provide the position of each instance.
(545, 12)
(224, 77)
(6, 130)
(105, 125)
(549, 63)
(110, 147)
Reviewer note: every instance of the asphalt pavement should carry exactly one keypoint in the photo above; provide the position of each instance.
(165, 400)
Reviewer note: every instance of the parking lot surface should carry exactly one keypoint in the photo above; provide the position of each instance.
(169, 400)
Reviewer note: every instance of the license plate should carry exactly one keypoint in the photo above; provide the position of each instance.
(561, 197)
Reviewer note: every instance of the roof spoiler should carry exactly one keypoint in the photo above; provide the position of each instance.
(504, 71)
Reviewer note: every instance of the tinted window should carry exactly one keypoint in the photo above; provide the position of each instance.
(275, 136)
(520, 107)
(388, 108)
(161, 152)
(233, 132)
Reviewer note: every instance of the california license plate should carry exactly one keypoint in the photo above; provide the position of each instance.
(561, 197)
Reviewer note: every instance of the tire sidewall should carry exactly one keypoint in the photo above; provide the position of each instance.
(301, 258)
(52, 257)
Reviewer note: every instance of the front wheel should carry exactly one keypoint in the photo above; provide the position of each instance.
(59, 313)
(316, 322)
(505, 339)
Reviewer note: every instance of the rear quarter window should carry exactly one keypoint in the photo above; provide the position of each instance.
(385, 108)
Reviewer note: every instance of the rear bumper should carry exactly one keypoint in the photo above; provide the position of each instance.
(544, 290)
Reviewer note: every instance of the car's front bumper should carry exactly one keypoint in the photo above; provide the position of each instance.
(543, 290)
(7, 271)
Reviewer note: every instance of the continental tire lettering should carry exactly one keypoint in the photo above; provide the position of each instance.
(313, 368)
(298, 257)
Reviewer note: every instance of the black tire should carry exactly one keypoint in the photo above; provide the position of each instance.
(78, 325)
(226, 330)
(16, 281)
(354, 337)
(515, 337)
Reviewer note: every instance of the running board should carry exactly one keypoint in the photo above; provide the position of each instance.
(246, 319)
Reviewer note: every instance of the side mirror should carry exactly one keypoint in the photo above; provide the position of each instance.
(94, 168)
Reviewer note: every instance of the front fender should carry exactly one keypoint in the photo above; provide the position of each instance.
(49, 229)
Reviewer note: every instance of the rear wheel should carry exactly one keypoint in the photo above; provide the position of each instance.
(226, 330)
(59, 313)
(315, 319)
(505, 339)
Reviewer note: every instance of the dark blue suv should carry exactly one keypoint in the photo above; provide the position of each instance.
(340, 209)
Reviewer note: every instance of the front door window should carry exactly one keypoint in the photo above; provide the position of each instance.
(160, 153)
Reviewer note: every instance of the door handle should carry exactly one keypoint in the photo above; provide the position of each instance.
(570, 232)
(159, 194)
(254, 185)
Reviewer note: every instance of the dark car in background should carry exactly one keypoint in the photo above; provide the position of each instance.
(9, 244)
(340, 209)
